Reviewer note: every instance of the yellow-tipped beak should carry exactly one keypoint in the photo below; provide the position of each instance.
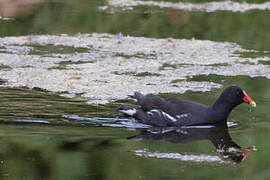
(253, 104)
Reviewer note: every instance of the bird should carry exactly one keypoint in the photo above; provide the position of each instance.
(177, 112)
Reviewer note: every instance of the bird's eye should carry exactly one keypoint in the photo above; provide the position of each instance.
(238, 93)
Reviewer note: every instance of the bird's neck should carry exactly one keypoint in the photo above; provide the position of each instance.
(223, 108)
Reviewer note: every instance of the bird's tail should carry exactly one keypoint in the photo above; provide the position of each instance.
(129, 111)
(139, 96)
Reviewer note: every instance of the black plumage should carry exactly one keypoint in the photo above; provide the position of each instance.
(173, 111)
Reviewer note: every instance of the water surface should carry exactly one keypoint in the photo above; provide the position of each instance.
(54, 127)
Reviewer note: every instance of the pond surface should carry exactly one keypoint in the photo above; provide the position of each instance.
(67, 66)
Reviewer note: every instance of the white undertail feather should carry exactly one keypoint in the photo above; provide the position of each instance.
(129, 112)
(161, 113)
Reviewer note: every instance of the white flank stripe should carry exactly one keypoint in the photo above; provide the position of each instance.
(161, 113)
(169, 116)
(180, 116)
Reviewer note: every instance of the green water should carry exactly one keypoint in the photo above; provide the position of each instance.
(249, 29)
(38, 141)
(62, 148)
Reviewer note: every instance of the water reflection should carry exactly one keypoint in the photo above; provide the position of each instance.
(59, 152)
(227, 149)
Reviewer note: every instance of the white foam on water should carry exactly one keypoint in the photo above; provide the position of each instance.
(111, 62)
(205, 7)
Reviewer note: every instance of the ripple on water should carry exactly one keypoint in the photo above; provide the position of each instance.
(178, 156)
(110, 122)
(126, 122)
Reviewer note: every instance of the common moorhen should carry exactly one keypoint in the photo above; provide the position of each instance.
(180, 112)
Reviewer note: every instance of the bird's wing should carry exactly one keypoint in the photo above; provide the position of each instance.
(149, 103)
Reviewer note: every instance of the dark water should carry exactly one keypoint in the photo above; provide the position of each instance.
(45, 136)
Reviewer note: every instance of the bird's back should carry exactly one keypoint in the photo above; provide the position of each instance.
(183, 111)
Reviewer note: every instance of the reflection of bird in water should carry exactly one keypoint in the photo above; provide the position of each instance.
(180, 112)
(219, 136)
